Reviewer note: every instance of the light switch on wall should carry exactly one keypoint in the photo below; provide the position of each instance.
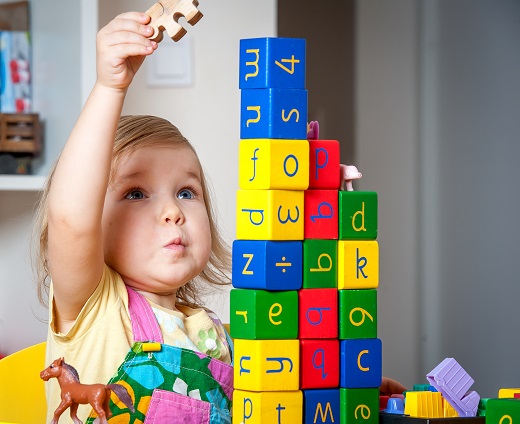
(171, 64)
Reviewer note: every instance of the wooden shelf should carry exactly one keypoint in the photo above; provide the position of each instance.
(22, 182)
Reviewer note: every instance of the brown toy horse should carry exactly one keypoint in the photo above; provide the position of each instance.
(74, 393)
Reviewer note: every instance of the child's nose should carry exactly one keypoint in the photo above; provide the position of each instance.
(172, 213)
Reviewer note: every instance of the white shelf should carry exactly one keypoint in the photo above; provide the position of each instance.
(21, 182)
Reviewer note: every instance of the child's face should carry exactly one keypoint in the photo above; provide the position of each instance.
(156, 230)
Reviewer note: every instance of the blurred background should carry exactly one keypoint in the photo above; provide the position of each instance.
(424, 96)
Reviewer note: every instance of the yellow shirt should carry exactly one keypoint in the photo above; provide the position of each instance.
(101, 337)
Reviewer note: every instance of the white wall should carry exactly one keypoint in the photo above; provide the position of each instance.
(56, 94)
(386, 128)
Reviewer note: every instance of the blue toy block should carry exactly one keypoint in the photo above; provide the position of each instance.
(272, 63)
(361, 363)
(321, 406)
(273, 113)
(267, 265)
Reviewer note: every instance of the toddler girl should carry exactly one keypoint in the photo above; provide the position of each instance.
(127, 236)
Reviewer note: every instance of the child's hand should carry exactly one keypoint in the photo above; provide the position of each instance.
(122, 46)
(391, 387)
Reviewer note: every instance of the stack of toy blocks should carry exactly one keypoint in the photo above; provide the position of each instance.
(341, 354)
(267, 255)
(305, 262)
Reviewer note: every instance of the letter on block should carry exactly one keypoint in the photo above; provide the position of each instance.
(267, 365)
(357, 215)
(324, 164)
(503, 411)
(272, 62)
(360, 363)
(319, 363)
(273, 113)
(266, 164)
(267, 407)
(357, 314)
(318, 314)
(359, 406)
(358, 264)
(267, 265)
(260, 314)
(321, 214)
(320, 264)
(270, 215)
(321, 406)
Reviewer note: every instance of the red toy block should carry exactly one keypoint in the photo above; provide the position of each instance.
(324, 171)
(318, 314)
(319, 363)
(321, 214)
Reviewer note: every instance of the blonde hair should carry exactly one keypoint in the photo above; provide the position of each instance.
(133, 133)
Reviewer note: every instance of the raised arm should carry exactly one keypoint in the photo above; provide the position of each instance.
(80, 180)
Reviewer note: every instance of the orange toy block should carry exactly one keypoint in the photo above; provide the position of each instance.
(165, 16)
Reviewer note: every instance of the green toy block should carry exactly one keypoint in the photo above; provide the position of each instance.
(358, 314)
(320, 264)
(357, 215)
(263, 315)
(503, 411)
(359, 406)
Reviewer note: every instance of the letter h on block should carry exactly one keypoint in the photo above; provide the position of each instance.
(267, 365)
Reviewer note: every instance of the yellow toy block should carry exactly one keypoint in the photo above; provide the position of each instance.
(507, 393)
(269, 215)
(358, 264)
(267, 365)
(424, 405)
(268, 164)
(449, 411)
(267, 407)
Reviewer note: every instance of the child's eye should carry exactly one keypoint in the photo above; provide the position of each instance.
(134, 194)
(186, 194)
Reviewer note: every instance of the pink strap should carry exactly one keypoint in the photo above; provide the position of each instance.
(144, 324)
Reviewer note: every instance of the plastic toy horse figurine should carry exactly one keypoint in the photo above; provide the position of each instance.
(74, 393)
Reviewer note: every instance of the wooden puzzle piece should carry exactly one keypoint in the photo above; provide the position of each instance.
(165, 16)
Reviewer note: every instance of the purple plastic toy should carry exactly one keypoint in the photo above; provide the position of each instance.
(453, 382)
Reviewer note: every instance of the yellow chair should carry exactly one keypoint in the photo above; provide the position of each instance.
(22, 393)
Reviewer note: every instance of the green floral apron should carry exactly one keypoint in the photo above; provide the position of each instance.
(168, 384)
